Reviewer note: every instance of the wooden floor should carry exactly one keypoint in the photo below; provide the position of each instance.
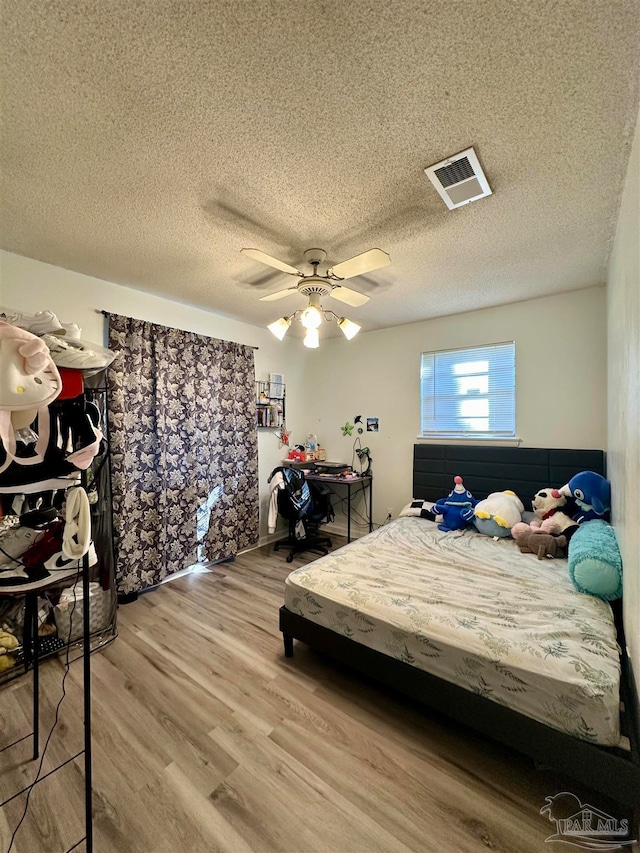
(206, 738)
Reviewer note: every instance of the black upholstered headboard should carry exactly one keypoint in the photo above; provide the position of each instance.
(524, 470)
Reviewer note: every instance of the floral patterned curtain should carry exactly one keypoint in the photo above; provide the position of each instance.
(184, 450)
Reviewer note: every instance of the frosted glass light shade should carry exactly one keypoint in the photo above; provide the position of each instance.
(280, 327)
(348, 328)
(311, 317)
(312, 339)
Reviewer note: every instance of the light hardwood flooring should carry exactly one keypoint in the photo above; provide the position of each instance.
(206, 739)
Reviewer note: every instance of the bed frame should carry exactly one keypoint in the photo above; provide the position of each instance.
(611, 771)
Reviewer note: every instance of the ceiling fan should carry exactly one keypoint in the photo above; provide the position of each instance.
(327, 284)
(315, 287)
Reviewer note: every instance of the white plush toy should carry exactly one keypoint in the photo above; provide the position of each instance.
(548, 506)
(497, 514)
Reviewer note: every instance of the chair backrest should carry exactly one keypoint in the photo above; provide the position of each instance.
(294, 499)
(322, 508)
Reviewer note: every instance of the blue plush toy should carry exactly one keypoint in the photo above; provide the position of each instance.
(457, 508)
(595, 564)
(592, 493)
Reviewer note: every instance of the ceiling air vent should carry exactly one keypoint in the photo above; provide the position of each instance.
(459, 179)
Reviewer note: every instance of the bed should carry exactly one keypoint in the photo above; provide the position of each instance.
(462, 623)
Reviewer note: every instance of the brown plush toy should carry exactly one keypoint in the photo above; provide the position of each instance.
(541, 544)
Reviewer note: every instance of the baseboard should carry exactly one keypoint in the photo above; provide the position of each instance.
(267, 539)
(337, 529)
(332, 529)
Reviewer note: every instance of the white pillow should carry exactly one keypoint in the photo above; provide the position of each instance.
(421, 509)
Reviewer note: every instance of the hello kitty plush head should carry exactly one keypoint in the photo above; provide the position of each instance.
(29, 381)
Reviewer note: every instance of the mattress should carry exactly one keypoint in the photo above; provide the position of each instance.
(476, 612)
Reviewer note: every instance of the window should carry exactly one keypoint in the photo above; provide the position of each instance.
(469, 393)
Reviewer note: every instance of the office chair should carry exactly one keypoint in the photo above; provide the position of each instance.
(305, 506)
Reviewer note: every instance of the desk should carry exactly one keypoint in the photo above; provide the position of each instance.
(367, 484)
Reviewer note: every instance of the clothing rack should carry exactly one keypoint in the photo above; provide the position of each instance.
(102, 532)
(32, 659)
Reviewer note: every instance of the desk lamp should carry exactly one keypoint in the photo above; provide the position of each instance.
(364, 456)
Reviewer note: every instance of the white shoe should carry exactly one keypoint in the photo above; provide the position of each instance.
(72, 331)
(76, 537)
(14, 543)
(42, 323)
(23, 584)
(59, 562)
(77, 355)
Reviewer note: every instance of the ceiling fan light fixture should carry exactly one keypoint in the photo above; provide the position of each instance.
(312, 339)
(311, 317)
(348, 328)
(316, 287)
(280, 327)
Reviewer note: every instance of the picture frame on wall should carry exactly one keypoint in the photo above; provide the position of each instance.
(276, 385)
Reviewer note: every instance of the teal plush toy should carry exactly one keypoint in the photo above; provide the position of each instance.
(595, 564)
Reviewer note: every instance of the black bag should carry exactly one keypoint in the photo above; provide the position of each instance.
(321, 497)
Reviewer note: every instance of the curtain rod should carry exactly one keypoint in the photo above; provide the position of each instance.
(108, 313)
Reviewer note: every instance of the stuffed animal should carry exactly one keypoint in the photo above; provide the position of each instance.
(542, 544)
(8, 641)
(549, 504)
(592, 493)
(6, 661)
(550, 508)
(7, 644)
(457, 508)
(537, 526)
(497, 514)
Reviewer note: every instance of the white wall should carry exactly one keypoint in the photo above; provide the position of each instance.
(560, 368)
(560, 364)
(29, 286)
(623, 319)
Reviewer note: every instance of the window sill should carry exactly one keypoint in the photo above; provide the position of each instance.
(478, 442)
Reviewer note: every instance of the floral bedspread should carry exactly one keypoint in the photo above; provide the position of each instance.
(477, 613)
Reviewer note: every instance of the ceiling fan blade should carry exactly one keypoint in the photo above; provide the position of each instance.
(257, 255)
(349, 297)
(374, 259)
(279, 294)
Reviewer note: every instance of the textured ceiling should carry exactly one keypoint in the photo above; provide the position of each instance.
(147, 141)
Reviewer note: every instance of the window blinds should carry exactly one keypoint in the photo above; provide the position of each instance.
(469, 392)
